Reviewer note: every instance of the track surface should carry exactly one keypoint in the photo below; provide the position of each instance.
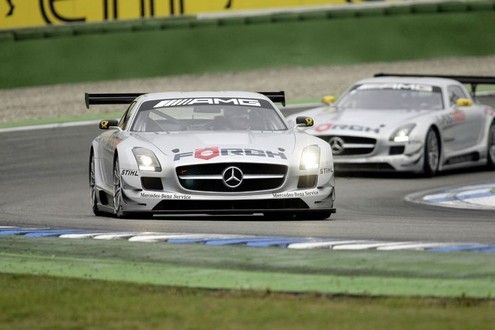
(44, 182)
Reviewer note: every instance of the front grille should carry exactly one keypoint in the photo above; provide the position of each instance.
(230, 205)
(350, 145)
(245, 177)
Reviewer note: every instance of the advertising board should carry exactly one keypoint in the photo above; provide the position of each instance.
(16, 14)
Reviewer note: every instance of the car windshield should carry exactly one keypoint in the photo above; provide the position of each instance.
(393, 96)
(166, 116)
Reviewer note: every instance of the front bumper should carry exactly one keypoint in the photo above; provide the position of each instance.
(317, 199)
(384, 157)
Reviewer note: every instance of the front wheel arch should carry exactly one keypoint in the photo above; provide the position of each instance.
(117, 188)
(92, 185)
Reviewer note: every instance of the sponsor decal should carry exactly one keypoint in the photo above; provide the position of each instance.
(208, 153)
(454, 117)
(104, 124)
(411, 87)
(210, 100)
(356, 128)
(295, 194)
(325, 170)
(129, 172)
(159, 195)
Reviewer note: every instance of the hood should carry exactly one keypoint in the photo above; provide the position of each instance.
(208, 145)
(365, 121)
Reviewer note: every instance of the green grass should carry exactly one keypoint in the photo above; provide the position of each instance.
(60, 120)
(36, 302)
(244, 47)
(372, 273)
(55, 283)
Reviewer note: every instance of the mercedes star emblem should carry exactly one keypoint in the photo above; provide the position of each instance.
(337, 145)
(232, 177)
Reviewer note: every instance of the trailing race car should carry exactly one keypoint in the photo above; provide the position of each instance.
(210, 153)
(412, 123)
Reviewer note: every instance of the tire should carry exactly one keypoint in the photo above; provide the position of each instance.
(117, 191)
(491, 147)
(431, 153)
(92, 187)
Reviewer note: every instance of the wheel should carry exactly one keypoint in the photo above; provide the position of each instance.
(431, 153)
(92, 187)
(117, 191)
(491, 147)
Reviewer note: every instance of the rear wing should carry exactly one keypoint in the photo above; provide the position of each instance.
(110, 98)
(127, 98)
(474, 81)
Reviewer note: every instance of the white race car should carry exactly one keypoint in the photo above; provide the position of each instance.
(409, 123)
(209, 153)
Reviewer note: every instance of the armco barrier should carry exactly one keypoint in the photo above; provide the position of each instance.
(355, 11)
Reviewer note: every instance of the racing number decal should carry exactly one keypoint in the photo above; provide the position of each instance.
(309, 121)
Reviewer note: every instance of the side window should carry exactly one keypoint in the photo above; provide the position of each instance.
(125, 118)
(456, 92)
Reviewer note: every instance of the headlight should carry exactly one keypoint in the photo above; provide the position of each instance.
(402, 133)
(310, 158)
(146, 160)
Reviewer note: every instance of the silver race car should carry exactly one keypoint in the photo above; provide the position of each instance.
(410, 123)
(209, 153)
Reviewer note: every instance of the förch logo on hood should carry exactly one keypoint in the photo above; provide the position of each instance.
(357, 128)
(213, 152)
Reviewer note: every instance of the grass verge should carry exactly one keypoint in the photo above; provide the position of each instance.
(124, 55)
(40, 302)
(67, 283)
(276, 269)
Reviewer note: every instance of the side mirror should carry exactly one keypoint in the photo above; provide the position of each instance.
(329, 99)
(464, 102)
(302, 121)
(109, 123)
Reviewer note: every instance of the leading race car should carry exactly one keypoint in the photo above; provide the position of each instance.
(412, 123)
(208, 152)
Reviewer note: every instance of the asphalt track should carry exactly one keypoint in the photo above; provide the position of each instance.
(44, 183)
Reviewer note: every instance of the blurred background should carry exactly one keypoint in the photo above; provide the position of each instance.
(52, 52)
(52, 42)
